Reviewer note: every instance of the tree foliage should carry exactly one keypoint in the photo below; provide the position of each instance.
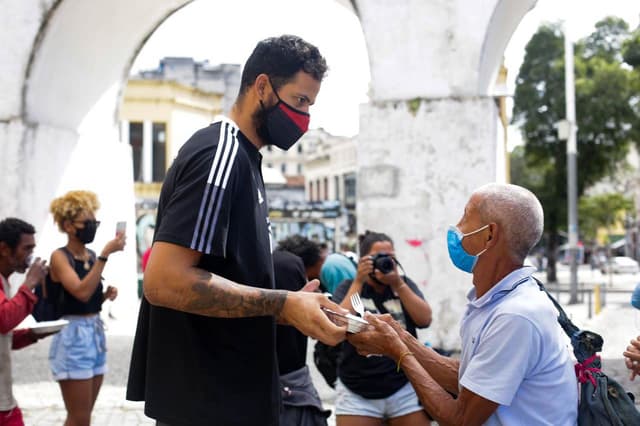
(606, 103)
(602, 210)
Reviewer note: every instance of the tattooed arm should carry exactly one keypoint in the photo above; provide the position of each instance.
(172, 280)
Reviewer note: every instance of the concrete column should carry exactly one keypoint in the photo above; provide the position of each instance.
(147, 151)
(416, 172)
(428, 135)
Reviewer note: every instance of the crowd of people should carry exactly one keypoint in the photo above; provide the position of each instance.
(232, 318)
(77, 355)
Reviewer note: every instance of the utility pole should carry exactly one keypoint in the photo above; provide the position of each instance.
(572, 151)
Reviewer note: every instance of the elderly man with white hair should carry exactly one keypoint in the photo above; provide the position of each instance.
(515, 367)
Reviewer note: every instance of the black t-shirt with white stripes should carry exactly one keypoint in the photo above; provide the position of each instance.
(197, 370)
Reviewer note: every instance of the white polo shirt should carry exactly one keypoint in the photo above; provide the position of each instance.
(515, 354)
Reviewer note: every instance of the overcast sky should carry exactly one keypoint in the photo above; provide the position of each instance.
(213, 30)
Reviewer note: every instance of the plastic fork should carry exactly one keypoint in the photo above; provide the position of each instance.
(356, 302)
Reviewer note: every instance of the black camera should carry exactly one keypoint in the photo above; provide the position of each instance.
(383, 262)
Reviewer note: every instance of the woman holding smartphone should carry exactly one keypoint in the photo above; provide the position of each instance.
(78, 353)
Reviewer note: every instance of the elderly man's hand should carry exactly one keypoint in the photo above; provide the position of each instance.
(632, 357)
(393, 323)
(303, 310)
(379, 338)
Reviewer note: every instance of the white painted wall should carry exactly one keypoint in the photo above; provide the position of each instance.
(87, 47)
(415, 176)
(80, 59)
(436, 48)
(419, 161)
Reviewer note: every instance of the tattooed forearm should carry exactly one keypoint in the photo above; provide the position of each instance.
(215, 296)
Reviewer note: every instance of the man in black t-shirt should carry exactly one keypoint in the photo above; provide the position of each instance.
(204, 351)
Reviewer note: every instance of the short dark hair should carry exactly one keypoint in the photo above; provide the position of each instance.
(11, 230)
(369, 238)
(281, 58)
(304, 248)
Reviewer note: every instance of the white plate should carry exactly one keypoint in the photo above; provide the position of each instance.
(45, 327)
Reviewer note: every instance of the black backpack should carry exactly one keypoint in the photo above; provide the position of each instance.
(602, 400)
(50, 296)
(325, 358)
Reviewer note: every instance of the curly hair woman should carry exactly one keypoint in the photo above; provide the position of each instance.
(78, 353)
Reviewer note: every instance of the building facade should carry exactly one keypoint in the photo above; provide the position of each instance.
(162, 108)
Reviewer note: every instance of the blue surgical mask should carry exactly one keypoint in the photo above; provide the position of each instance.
(458, 255)
(635, 297)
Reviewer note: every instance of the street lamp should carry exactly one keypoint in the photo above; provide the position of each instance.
(569, 129)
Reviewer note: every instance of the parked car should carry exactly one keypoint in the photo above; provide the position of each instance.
(621, 265)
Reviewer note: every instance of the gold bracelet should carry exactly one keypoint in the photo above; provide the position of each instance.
(400, 359)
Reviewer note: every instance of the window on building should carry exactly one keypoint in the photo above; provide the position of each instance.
(299, 148)
(311, 191)
(299, 169)
(350, 190)
(269, 148)
(326, 189)
(283, 168)
(135, 140)
(159, 139)
(270, 165)
(336, 183)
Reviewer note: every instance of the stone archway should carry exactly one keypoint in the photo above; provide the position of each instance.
(427, 137)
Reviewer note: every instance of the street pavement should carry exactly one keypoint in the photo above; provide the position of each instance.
(42, 405)
(41, 402)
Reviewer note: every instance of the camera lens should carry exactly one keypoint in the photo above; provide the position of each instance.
(384, 263)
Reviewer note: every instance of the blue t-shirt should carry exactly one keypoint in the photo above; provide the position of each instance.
(514, 353)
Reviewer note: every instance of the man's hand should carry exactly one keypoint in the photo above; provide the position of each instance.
(302, 310)
(395, 325)
(311, 287)
(36, 274)
(111, 293)
(632, 357)
(379, 338)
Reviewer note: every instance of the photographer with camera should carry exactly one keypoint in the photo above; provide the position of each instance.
(371, 389)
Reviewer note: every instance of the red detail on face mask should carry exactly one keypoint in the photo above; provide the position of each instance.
(301, 119)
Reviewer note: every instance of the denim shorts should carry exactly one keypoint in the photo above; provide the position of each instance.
(404, 401)
(79, 351)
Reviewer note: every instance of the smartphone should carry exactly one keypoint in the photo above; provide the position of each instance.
(121, 228)
(354, 324)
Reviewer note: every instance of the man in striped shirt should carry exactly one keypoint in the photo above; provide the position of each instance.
(204, 351)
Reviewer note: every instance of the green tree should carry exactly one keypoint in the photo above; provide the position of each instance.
(605, 115)
(631, 49)
(603, 210)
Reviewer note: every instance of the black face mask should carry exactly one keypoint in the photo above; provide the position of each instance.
(281, 125)
(88, 233)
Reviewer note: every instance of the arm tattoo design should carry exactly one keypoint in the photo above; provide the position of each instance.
(215, 296)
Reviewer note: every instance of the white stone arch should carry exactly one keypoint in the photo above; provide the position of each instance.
(432, 63)
(101, 44)
(505, 19)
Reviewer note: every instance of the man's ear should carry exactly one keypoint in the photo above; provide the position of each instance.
(494, 232)
(261, 86)
(5, 250)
